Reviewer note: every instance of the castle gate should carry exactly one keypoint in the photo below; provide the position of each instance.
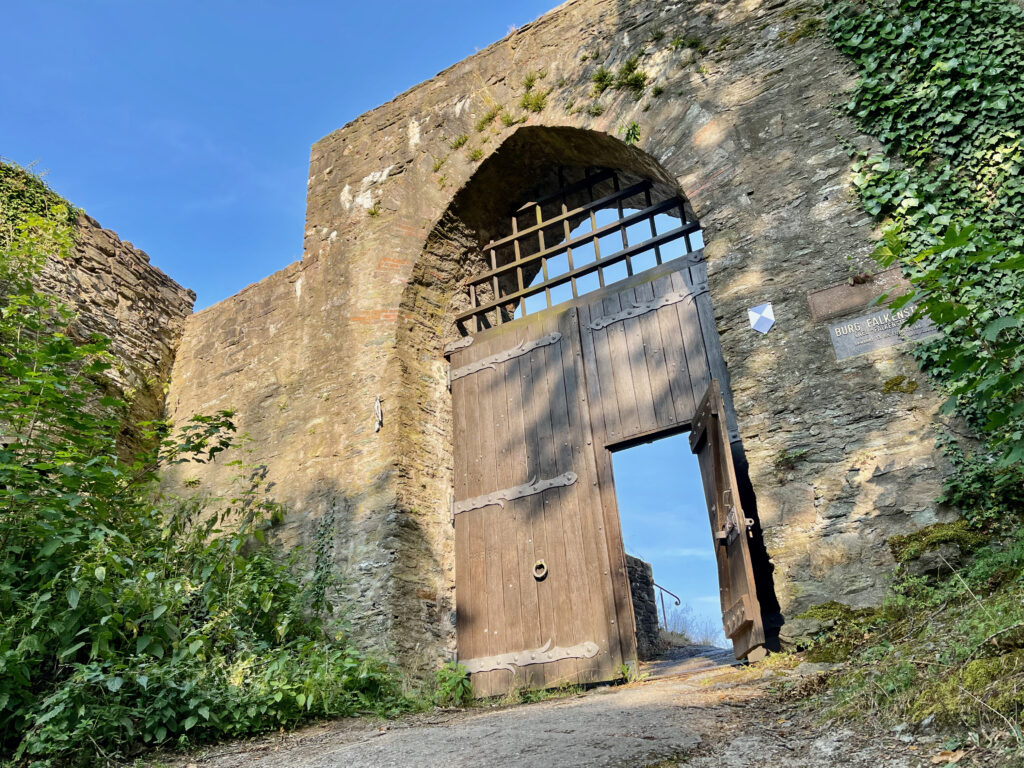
(543, 389)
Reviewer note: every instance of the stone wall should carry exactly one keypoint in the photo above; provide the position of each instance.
(743, 125)
(645, 609)
(119, 294)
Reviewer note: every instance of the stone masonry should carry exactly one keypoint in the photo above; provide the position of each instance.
(645, 608)
(117, 293)
(743, 124)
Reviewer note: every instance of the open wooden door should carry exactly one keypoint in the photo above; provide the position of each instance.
(534, 571)
(709, 439)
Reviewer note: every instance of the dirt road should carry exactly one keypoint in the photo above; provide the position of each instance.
(696, 713)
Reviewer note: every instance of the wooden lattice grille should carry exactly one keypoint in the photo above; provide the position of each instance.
(542, 260)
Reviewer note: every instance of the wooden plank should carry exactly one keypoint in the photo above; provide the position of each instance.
(595, 552)
(654, 356)
(624, 620)
(693, 341)
(473, 641)
(713, 348)
(597, 362)
(533, 407)
(600, 381)
(740, 607)
(524, 512)
(464, 594)
(508, 523)
(487, 427)
(637, 357)
(618, 353)
(556, 587)
(562, 379)
(667, 318)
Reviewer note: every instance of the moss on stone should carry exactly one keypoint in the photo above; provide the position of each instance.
(899, 384)
(842, 628)
(805, 28)
(954, 698)
(911, 546)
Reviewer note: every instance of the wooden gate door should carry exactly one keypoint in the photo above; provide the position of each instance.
(535, 603)
(709, 439)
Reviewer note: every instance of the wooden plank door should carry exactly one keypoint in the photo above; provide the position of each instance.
(709, 439)
(535, 604)
(645, 355)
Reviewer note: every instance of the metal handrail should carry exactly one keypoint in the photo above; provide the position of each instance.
(664, 616)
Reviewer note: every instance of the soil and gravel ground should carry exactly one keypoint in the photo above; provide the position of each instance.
(695, 709)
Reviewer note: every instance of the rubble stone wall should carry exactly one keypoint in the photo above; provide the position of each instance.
(737, 112)
(117, 293)
(645, 609)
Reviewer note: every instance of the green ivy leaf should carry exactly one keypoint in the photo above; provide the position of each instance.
(999, 324)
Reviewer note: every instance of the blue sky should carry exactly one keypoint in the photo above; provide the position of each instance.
(186, 126)
(665, 522)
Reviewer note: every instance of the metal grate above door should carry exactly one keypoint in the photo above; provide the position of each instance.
(589, 233)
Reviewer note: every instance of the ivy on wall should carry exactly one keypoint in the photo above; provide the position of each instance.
(941, 86)
(23, 195)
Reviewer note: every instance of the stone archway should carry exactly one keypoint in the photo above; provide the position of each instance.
(747, 132)
(524, 166)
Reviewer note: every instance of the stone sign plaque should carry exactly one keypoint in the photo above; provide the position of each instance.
(878, 330)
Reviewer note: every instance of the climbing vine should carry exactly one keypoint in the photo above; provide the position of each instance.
(24, 195)
(941, 86)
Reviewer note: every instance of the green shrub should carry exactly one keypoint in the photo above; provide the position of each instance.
(451, 686)
(631, 77)
(941, 85)
(125, 620)
(487, 118)
(630, 133)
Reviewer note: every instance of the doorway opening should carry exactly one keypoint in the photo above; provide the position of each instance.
(665, 525)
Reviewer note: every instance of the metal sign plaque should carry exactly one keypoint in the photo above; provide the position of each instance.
(878, 330)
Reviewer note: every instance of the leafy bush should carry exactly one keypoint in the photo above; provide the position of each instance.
(127, 621)
(534, 101)
(603, 79)
(451, 686)
(941, 85)
(631, 77)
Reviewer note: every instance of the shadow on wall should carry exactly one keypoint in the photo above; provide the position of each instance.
(378, 560)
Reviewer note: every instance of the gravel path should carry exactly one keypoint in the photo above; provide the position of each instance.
(703, 715)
